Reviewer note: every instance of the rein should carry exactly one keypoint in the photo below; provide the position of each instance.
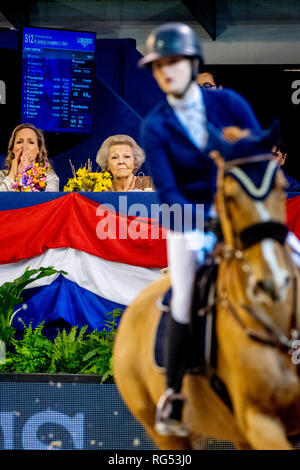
(275, 337)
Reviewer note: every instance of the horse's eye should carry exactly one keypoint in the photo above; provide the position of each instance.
(229, 199)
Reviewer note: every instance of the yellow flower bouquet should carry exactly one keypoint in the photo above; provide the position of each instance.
(84, 179)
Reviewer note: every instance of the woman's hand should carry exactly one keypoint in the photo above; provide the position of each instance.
(19, 163)
(24, 160)
(14, 166)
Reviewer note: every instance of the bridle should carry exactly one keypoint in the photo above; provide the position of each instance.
(261, 230)
(272, 336)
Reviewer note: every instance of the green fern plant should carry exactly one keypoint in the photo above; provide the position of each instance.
(10, 296)
(67, 351)
(101, 343)
(32, 354)
(75, 352)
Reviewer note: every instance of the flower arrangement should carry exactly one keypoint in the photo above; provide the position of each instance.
(32, 178)
(84, 179)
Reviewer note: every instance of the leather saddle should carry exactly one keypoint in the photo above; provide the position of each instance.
(202, 353)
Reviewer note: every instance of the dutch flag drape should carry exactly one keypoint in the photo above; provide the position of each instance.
(109, 258)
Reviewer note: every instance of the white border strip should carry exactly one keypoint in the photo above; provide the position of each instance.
(113, 281)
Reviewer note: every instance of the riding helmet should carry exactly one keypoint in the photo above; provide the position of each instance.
(171, 39)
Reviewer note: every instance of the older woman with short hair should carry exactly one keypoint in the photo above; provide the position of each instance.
(26, 145)
(123, 157)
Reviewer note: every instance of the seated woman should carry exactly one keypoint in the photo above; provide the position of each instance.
(123, 157)
(280, 154)
(26, 145)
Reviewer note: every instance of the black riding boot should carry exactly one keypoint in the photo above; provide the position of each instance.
(169, 409)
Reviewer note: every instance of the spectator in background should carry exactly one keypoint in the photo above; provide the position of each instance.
(280, 153)
(207, 78)
(123, 157)
(26, 145)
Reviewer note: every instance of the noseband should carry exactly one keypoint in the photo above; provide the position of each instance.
(258, 232)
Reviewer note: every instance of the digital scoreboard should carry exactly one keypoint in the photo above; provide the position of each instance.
(58, 79)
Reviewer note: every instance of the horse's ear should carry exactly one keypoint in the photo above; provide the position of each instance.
(217, 158)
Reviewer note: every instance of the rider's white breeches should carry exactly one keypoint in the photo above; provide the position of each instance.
(186, 251)
(182, 263)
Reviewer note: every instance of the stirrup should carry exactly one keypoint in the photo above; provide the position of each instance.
(165, 423)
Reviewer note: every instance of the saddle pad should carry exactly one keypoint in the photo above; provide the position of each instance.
(160, 339)
(202, 359)
(202, 346)
(203, 327)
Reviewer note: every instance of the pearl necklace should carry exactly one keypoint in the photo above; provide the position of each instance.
(130, 186)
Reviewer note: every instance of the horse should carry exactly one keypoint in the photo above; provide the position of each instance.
(257, 322)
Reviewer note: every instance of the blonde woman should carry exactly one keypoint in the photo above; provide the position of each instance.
(26, 145)
(123, 157)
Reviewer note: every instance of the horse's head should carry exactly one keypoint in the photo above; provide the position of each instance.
(255, 210)
(251, 205)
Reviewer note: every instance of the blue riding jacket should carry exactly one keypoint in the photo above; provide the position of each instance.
(182, 173)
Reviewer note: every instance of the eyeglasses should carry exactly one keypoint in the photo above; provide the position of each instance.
(208, 85)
